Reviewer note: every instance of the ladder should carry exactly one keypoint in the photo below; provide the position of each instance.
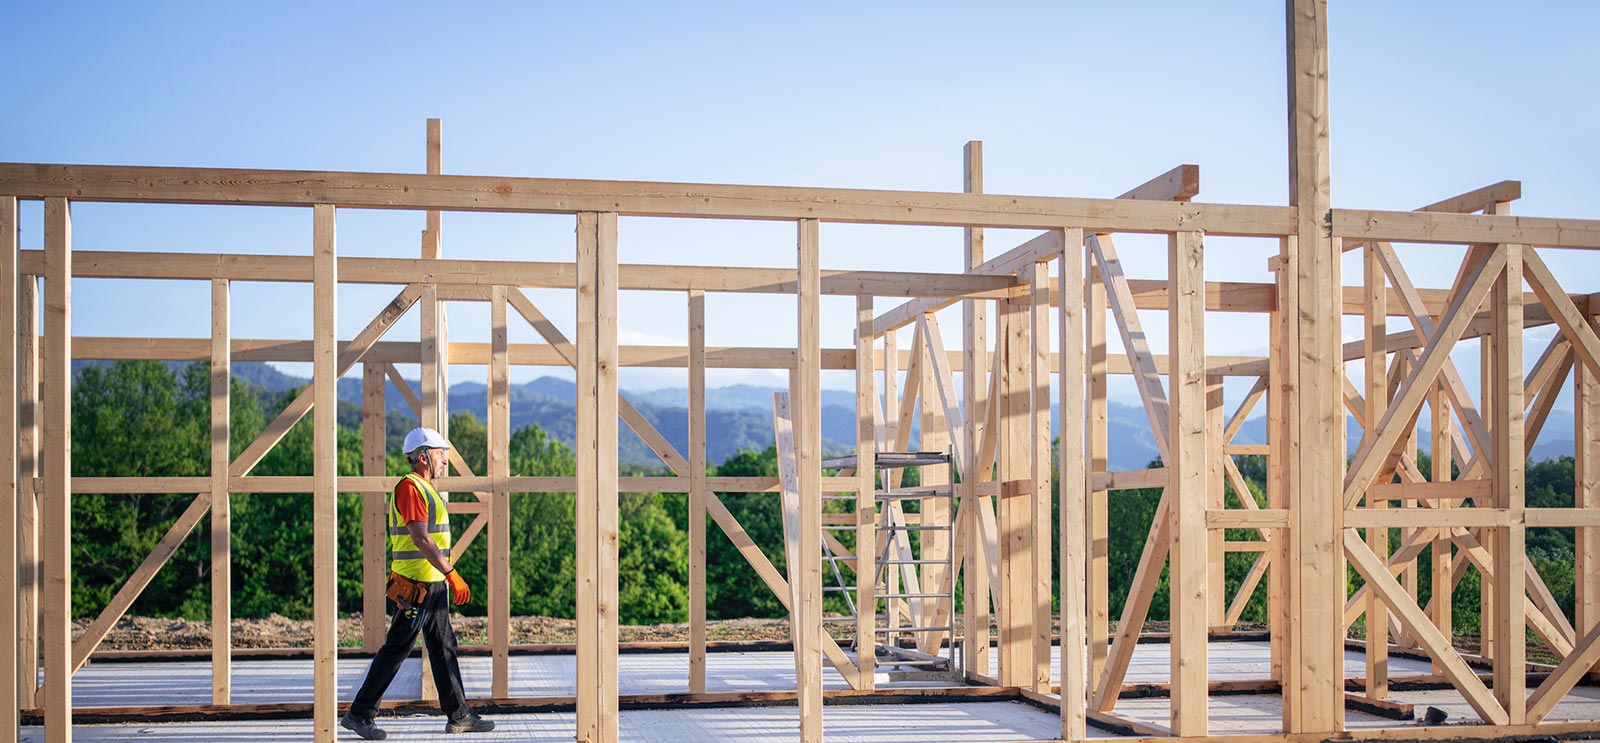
(927, 610)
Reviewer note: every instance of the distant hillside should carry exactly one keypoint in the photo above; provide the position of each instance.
(739, 417)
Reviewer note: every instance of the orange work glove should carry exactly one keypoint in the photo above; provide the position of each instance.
(459, 592)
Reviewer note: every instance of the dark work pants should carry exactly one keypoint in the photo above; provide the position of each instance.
(432, 620)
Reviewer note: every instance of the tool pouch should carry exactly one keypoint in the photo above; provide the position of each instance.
(406, 593)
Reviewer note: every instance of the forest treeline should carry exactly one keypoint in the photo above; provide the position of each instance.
(149, 419)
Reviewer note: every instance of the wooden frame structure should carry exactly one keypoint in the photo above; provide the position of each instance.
(997, 426)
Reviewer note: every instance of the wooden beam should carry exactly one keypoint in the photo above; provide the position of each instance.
(56, 498)
(1464, 229)
(565, 196)
(1478, 199)
(697, 491)
(221, 507)
(1040, 465)
(1179, 184)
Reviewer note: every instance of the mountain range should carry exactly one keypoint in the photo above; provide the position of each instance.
(739, 417)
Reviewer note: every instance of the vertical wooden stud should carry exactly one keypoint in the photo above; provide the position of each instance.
(1443, 580)
(866, 500)
(1375, 296)
(499, 414)
(1071, 482)
(975, 392)
(1586, 427)
(9, 492)
(1216, 555)
(1316, 659)
(221, 508)
(596, 496)
(697, 490)
(325, 477)
(808, 461)
(435, 345)
(1016, 508)
(1096, 453)
(1187, 481)
(1510, 584)
(1039, 457)
(374, 505)
(30, 574)
(56, 512)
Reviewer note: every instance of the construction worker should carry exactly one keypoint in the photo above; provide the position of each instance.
(421, 582)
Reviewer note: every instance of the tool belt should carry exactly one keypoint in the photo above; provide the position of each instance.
(405, 592)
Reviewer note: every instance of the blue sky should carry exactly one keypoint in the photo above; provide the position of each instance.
(1429, 99)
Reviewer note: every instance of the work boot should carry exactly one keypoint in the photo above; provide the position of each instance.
(469, 724)
(362, 726)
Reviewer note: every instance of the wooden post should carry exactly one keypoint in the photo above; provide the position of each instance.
(1216, 547)
(56, 512)
(596, 492)
(1443, 580)
(1071, 481)
(30, 575)
(9, 492)
(1488, 640)
(1096, 452)
(1186, 480)
(975, 392)
(697, 490)
(1510, 585)
(1016, 509)
(808, 461)
(325, 491)
(1280, 393)
(1316, 657)
(221, 508)
(1039, 457)
(499, 413)
(1375, 296)
(435, 348)
(866, 500)
(374, 506)
(935, 436)
(1586, 424)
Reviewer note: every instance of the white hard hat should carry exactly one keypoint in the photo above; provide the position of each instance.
(424, 438)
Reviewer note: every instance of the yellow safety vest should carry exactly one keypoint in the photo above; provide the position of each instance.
(406, 559)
